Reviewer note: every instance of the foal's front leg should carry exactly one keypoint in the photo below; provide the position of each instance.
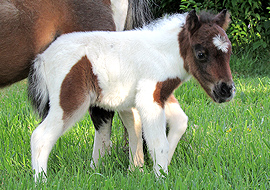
(154, 125)
(177, 121)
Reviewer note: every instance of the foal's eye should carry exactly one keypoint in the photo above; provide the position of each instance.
(201, 56)
(200, 53)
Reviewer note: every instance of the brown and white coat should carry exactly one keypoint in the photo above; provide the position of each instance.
(134, 70)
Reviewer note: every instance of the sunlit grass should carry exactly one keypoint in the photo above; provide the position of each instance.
(226, 146)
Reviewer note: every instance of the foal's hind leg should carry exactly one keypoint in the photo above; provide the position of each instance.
(42, 141)
(58, 120)
(132, 122)
(55, 124)
(102, 120)
(177, 121)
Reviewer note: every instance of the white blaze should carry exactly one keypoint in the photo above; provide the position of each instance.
(221, 43)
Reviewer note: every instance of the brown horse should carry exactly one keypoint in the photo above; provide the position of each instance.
(28, 27)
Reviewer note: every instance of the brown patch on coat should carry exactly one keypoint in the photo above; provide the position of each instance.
(164, 90)
(28, 27)
(77, 85)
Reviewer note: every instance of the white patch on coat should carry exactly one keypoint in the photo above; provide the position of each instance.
(221, 43)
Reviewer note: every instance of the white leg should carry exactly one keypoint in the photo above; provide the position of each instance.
(155, 136)
(154, 125)
(177, 121)
(102, 143)
(46, 134)
(132, 122)
(42, 141)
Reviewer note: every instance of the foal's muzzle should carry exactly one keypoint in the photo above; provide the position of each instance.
(223, 92)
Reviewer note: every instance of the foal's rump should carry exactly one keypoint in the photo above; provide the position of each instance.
(46, 75)
(67, 73)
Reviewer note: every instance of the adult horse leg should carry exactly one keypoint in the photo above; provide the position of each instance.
(132, 121)
(120, 10)
(177, 121)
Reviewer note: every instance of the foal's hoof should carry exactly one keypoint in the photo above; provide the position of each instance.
(160, 173)
(92, 165)
(40, 178)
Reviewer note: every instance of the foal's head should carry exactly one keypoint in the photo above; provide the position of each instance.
(206, 51)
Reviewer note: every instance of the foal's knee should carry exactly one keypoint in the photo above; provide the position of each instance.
(180, 125)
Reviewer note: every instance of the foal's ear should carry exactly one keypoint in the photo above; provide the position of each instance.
(192, 22)
(223, 19)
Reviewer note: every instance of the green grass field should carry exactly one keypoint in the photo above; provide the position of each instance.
(226, 146)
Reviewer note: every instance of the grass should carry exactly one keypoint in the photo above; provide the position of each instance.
(226, 146)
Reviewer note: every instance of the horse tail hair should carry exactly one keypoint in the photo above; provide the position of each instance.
(139, 14)
(37, 88)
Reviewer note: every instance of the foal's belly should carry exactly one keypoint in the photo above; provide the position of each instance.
(118, 96)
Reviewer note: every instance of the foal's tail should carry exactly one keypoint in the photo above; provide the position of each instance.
(37, 88)
(139, 14)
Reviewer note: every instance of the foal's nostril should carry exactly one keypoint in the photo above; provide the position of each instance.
(225, 90)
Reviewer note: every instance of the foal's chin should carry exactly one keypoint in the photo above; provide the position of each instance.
(221, 99)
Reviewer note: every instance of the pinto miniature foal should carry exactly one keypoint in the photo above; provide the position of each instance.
(121, 71)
